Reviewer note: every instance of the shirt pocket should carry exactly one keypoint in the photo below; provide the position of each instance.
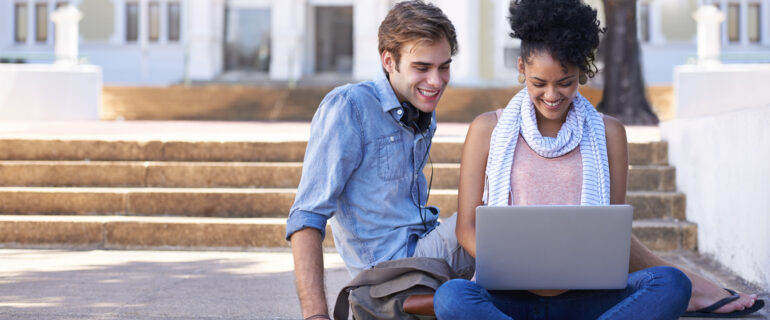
(391, 157)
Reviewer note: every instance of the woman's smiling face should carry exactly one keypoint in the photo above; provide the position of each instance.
(551, 86)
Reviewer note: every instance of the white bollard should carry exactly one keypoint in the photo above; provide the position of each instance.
(709, 19)
(66, 20)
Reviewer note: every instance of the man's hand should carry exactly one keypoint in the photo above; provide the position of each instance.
(309, 271)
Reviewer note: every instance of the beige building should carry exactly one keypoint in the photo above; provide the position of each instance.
(157, 42)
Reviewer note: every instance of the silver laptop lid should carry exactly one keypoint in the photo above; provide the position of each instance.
(553, 247)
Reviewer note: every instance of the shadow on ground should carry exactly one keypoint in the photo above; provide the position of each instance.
(236, 286)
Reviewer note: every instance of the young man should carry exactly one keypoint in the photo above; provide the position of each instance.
(364, 161)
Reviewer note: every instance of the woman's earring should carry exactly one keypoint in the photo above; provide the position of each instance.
(522, 78)
(582, 79)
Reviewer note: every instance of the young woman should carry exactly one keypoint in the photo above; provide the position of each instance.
(550, 146)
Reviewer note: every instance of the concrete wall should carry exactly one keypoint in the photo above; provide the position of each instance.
(49, 92)
(658, 61)
(160, 64)
(719, 142)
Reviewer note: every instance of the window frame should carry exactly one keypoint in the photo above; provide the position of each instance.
(17, 26)
(41, 30)
(153, 31)
(743, 24)
(759, 17)
(128, 36)
(730, 23)
(174, 37)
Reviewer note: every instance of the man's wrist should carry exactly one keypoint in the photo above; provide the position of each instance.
(318, 316)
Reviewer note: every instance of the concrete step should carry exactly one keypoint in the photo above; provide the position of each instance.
(667, 234)
(647, 204)
(199, 202)
(232, 174)
(443, 151)
(651, 178)
(131, 232)
(150, 174)
(236, 203)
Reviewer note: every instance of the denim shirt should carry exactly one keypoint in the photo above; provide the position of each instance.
(363, 170)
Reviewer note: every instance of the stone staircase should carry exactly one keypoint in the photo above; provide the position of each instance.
(232, 195)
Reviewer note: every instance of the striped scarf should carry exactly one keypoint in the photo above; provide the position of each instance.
(584, 126)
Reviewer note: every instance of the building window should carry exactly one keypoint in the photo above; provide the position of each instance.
(511, 57)
(132, 21)
(753, 21)
(41, 22)
(334, 39)
(154, 21)
(20, 12)
(644, 22)
(247, 39)
(174, 21)
(733, 22)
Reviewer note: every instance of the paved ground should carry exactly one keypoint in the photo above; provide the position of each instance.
(99, 284)
(61, 284)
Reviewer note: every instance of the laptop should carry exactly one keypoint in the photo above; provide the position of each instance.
(553, 247)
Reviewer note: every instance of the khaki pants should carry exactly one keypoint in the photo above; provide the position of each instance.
(442, 243)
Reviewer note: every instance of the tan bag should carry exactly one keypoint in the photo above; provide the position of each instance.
(379, 293)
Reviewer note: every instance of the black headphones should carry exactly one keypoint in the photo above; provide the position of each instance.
(419, 122)
(413, 118)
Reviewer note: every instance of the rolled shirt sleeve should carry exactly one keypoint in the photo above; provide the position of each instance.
(334, 152)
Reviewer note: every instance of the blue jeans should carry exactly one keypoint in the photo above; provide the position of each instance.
(654, 293)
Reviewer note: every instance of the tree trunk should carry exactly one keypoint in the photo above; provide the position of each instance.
(624, 95)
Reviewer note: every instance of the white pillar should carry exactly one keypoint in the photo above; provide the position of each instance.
(656, 23)
(206, 30)
(465, 17)
(764, 22)
(66, 48)
(367, 16)
(287, 40)
(743, 26)
(709, 19)
(7, 23)
(30, 23)
(118, 38)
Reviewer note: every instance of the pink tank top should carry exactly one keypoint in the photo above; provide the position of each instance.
(536, 180)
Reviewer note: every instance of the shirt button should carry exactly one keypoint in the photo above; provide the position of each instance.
(392, 139)
(399, 111)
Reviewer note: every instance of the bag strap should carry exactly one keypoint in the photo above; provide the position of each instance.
(385, 271)
(342, 306)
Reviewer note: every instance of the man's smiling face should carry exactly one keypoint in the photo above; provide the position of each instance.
(422, 74)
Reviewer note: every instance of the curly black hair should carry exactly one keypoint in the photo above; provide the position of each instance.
(567, 29)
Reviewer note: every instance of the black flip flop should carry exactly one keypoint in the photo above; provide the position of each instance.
(708, 312)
